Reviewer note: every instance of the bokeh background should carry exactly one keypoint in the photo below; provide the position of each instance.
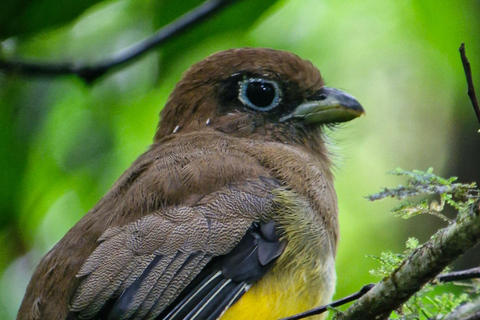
(63, 143)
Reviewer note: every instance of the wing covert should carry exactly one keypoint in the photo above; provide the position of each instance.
(138, 270)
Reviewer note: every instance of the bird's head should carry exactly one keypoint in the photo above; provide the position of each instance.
(255, 91)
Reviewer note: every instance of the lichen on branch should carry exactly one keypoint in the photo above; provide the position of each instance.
(425, 262)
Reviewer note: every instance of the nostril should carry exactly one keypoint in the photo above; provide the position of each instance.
(322, 96)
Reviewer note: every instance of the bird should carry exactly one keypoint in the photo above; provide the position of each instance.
(231, 213)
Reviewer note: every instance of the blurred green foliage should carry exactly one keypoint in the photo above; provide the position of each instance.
(63, 143)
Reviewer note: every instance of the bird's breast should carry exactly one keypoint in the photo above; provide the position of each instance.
(303, 276)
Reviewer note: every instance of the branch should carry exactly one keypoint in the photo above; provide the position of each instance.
(446, 277)
(423, 264)
(468, 74)
(460, 275)
(334, 304)
(90, 73)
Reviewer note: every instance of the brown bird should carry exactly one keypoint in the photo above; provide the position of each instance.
(231, 213)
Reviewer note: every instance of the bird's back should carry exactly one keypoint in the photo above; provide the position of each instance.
(189, 170)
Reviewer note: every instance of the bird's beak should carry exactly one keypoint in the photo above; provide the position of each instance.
(329, 106)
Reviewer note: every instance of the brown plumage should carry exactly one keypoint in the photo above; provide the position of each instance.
(236, 190)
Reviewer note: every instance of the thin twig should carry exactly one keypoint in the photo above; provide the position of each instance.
(459, 275)
(468, 74)
(334, 304)
(90, 73)
(447, 277)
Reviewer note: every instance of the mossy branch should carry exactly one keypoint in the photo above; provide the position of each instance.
(424, 264)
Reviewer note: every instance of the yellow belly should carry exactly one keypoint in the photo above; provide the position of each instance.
(270, 299)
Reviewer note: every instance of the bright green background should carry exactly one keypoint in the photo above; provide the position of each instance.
(63, 143)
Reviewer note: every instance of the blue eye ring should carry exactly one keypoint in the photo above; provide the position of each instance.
(266, 85)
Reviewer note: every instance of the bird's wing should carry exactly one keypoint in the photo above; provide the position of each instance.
(219, 246)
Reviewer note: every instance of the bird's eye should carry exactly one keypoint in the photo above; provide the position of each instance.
(259, 94)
